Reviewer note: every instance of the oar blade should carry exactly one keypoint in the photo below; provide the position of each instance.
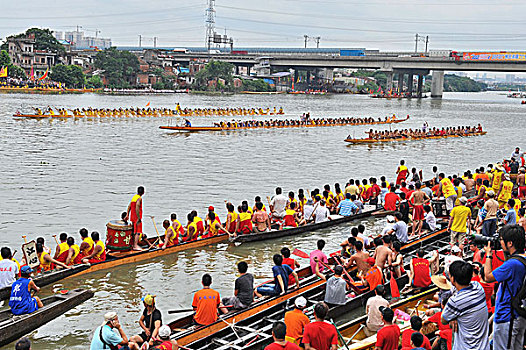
(300, 253)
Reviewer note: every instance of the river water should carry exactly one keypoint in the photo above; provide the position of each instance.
(61, 175)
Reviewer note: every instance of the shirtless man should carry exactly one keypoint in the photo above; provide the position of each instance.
(260, 219)
(359, 259)
(521, 183)
(381, 253)
(419, 199)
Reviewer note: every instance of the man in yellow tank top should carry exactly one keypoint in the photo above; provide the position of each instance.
(498, 177)
(61, 253)
(73, 251)
(504, 191)
(448, 190)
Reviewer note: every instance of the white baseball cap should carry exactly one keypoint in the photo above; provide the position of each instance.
(165, 331)
(300, 302)
(455, 249)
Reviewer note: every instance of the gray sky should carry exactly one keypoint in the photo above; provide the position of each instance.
(374, 24)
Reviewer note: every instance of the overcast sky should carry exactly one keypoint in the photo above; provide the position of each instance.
(374, 24)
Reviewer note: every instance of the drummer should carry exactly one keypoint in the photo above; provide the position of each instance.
(134, 214)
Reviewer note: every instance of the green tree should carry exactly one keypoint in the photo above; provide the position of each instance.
(12, 70)
(256, 85)
(94, 82)
(5, 60)
(215, 70)
(120, 67)
(44, 40)
(72, 76)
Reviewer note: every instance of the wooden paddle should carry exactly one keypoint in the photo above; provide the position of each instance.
(180, 311)
(300, 253)
(56, 240)
(156, 230)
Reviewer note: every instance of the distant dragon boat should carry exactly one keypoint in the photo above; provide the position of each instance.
(368, 140)
(279, 126)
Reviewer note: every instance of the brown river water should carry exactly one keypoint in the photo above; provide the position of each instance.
(61, 175)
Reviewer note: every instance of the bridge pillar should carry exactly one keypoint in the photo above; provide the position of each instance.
(410, 83)
(437, 84)
(419, 85)
(401, 83)
(389, 81)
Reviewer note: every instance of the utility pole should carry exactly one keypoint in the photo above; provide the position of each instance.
(78, 28)
(318, 38)
(154, 41)
(140, 40)
(210, 23)
(97, 33)
(416, 43)
(427, 42)
(306, 39)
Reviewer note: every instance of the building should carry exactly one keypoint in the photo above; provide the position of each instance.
(79, 41)
(23, 54)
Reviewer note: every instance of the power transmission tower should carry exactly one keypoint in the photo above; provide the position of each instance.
(210, 23)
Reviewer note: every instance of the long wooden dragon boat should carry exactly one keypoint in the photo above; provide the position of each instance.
(116, 258)
(368, 141)
(225, 128)
(187, 333)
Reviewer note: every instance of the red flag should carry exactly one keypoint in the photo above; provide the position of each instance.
(32, 74)
(148, 104)
(395, 293)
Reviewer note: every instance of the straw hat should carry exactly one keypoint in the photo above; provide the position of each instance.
(499, 167)
(441, 282)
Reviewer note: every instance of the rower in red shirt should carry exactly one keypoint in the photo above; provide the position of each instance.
(391, 199)
(279, 330)
(62, 251)
(420, 272)
(287, 260)
(134, 214)
(416, 326)
(388, 336)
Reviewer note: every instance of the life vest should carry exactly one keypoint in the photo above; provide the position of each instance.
(213, 228)
(447, 188)
(245, 223)
(91, 244)
(76, 252)
(233, 218)
(505, 193)
(133, 209)
(402, 173)
(200, 224)
(195, 234)
(289, 218)
(44, 265)
(517, 206)
(497, 179)
(172, 239)
(100, 256)
(179, 229)
(459, 194)
(63, 252)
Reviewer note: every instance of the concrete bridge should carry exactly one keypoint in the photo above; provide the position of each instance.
(400, 65)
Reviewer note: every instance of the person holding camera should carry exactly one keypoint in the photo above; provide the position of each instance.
(110, 334)
(509, 327)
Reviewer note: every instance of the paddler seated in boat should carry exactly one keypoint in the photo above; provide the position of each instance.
(191, 229)
(244, 225)
(171, 237)
(21, 302)
(187, 123)
(215, 227)
(231, 218)
(258, 200)
(291, 218)
(199, 223)
(278, 204)
(99, 250)
(9, 268)
(359, 259)
(150, 322)
(243, 289)
(281, 277)
(373, 277)
(206, 302)
(176, 224)
(261, 219)
(308, 212)
(86, 247)
(47, 263)
(347, 207)
(207, 218)
(42, 241)
(73, 252)
(61, 253)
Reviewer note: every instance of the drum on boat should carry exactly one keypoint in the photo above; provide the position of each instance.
(119, 235)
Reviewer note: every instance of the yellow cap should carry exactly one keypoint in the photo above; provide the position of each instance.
(148, 299)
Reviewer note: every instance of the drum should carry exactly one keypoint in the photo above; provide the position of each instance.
(119, 235)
